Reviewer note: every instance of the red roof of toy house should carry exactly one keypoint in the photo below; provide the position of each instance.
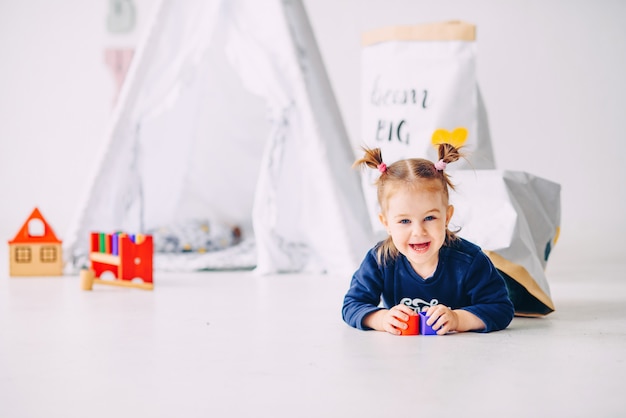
(23, 236)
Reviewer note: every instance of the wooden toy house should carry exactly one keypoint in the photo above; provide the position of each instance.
(35, 250)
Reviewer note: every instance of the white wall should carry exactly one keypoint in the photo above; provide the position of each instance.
(551, 74)
(56, 95)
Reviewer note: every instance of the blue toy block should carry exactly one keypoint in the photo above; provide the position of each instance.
(425, 329)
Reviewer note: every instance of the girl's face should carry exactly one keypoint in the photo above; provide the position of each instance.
(417, 219)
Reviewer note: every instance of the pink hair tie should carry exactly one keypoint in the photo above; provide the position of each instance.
(382, 167)
(440, 165)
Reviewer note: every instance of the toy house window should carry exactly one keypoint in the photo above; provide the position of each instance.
(48, 254)
(36, 228)
(22, 255)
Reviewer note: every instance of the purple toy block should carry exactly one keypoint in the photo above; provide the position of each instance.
(425, 329)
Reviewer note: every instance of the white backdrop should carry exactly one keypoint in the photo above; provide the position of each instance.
(551, 75)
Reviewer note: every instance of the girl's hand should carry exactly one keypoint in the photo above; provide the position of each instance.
(394, 320)
(442, 319)
(391, 320)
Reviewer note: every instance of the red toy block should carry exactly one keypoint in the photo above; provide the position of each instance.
(414, 326)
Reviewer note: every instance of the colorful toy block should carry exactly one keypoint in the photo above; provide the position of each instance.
(414, 326)
(35, 250)
(128, 257)
(425, 329)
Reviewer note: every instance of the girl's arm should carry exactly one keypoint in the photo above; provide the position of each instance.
(489, 295)
(363, 297)
(487, 308)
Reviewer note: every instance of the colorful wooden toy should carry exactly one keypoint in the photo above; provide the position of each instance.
(128, 257)
(35, 250)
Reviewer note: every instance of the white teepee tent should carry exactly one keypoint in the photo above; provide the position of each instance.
(227, 113)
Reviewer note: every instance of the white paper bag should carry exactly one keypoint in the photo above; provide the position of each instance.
(417, 80)
(419, 88)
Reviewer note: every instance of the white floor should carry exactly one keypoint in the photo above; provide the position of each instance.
(238, 345)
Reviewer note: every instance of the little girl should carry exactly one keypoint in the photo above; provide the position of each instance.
(422, 265)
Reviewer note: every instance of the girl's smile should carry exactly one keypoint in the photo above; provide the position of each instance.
(420, 248)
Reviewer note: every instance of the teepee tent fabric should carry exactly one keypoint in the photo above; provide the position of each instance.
(227, 113)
